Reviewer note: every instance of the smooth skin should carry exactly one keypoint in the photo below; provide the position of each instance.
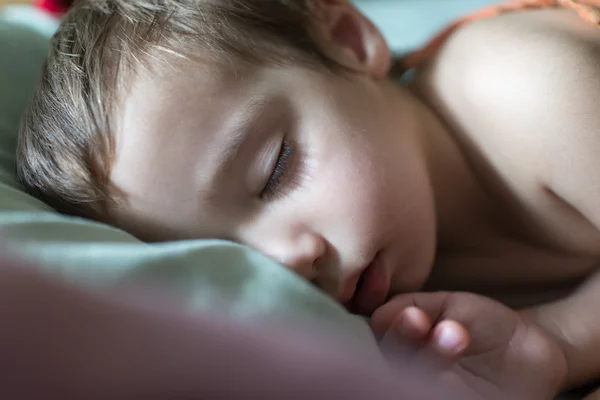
(481, 177)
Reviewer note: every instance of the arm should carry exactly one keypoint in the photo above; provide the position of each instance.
(572, 176)
(567, 150)
(575, 323)
(533, 89)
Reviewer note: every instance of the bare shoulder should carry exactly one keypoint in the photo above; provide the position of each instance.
(524, 88)
(516, 58)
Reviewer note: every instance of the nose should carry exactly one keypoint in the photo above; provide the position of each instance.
(302, 254)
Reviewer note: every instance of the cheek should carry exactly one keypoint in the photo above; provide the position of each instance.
(358, 205)
(414, 234)
(410, 197)
(377, 204)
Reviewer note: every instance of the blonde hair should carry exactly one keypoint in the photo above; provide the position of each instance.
(66, 143)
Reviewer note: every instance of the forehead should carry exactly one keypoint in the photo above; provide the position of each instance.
(175, 126)
(166, 116)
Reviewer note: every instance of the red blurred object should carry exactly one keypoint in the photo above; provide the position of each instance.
(56, 7)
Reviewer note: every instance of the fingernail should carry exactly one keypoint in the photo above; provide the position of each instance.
(449, 340)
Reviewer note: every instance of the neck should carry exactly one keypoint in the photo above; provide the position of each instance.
(459, 199)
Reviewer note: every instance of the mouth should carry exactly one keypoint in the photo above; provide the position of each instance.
(367, 290)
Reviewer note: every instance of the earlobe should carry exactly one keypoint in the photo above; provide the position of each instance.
(350, 39)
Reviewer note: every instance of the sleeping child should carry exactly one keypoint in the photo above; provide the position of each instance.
(452, 196)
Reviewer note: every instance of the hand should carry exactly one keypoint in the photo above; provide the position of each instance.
(472, 342)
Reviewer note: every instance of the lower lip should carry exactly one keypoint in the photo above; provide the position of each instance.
(373, 289)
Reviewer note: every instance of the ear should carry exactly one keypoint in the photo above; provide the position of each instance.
(350, 39)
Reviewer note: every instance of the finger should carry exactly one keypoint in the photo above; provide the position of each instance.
(412, 339)
(450, 339)
(445, 344)
(412, 325)
(433, 305)
(443, 347)
(406, 336)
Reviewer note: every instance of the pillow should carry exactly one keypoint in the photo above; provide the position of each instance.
(205, 274)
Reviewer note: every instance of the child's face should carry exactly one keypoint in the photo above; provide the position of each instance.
(199, 159)
(319, 171)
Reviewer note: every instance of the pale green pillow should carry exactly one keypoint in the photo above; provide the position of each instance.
(206, 274)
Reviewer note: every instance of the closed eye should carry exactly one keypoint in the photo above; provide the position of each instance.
(272, 187)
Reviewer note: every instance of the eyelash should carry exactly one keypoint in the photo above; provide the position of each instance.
(281, 166)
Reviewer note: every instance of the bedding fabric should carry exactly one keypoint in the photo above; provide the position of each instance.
(204, 274)
(207, 274)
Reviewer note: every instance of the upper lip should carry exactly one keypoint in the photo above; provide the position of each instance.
(351, 284)
(350, 287)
